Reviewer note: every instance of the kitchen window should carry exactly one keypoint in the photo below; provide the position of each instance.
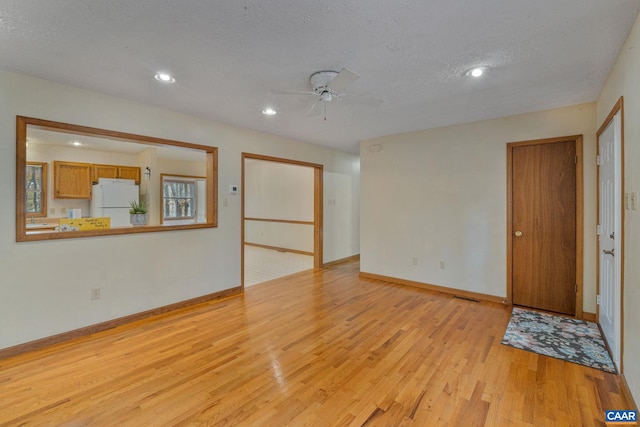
(183, 199)
(36, 189)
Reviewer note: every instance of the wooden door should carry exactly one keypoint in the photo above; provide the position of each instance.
(543, 225)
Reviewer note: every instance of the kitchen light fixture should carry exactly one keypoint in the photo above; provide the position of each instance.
(164, 77)
(269, 111)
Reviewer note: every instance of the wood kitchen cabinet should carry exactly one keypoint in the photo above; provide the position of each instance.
(104, 171)
(71, 180)
(115, 171)
(129, 172)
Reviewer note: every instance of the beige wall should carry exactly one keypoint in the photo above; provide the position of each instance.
(624, 81)
(45, 287)
(276, 190)
(440, 195)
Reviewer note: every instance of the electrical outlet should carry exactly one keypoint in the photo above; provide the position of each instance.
(414, 261)
(443, 265)
(95, 293)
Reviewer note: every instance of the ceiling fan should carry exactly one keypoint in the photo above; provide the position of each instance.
(329, 86)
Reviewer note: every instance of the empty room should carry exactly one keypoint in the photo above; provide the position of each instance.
(319, 213)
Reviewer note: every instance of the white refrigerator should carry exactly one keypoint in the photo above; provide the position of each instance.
(112, 198)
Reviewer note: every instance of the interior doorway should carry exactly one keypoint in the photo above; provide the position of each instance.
(610, 236)
(281, 217)
(544, 224)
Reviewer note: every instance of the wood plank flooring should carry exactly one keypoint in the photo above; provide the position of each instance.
(323, 348)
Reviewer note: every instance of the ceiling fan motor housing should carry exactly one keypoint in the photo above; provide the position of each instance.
(320, 80)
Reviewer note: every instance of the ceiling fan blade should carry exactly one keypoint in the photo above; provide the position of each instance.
(343, 80)
(316, 109)
(349, 98)
(292, 92)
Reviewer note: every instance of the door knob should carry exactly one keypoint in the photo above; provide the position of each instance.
(518, 233)
(606, 252)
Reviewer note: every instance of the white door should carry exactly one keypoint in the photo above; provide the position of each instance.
(609, 235)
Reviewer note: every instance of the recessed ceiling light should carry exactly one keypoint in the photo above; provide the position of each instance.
(76, 143)
(269, 112)
(476, 72)
(164, 77)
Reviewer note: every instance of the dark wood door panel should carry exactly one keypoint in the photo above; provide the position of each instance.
(544, 212)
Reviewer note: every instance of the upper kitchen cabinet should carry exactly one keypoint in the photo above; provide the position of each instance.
(129, 172)
(114, 171)
(103, 171)
(71, 180)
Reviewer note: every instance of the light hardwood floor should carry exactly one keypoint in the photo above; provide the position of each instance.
(323, 348)
(261, 264)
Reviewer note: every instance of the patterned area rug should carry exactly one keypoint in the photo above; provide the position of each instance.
(568, 339)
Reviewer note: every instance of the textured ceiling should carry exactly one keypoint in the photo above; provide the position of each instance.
(231, 57)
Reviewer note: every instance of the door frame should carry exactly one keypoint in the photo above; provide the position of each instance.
(579, 215)
(317, 207)
(618, 107)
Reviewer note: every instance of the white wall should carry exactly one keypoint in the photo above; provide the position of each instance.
(440, 195)
(46, 286)
(280, 191)
(280, 235)
(182, 167)
(624, 80)
(341, 217)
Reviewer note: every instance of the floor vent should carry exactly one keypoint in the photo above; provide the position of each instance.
(466, 298)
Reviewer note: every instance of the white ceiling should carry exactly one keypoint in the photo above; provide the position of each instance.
(229, 56)
(39, 136)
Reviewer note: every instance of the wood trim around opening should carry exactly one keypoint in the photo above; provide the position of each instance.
(286, 221)
(210, 152)
(279, 249)
(318, 217)
(579, 215)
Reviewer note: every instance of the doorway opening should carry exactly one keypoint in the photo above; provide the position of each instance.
(545, 224)
(281, 217)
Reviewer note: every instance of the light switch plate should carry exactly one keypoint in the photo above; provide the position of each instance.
(626, 201)
(233, 189)
(633, 200)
